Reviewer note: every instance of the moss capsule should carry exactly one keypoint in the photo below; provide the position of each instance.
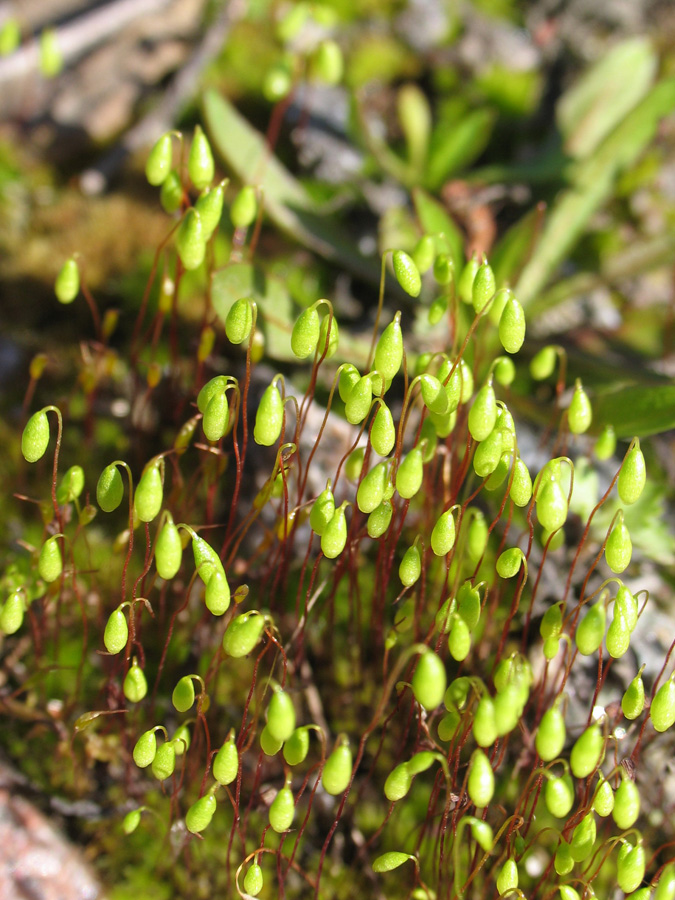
(201, 167)
(429, 681)
(337, 770)
(483, 413)
(67, 285)
(158, 163)
(226, 762)
(269, 417)
(407, 273)
(149, 493)
(243, 633)
(116, 632)
(35, 437)
(50, 562)
(168, 550)
(305, 334)
(481, 781)
(199, 815)
(281, 715)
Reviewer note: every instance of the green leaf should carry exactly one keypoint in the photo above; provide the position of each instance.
(514, 249)
(286, 201)
(593, 183)
(636, 410)
(435, 220)
(455, 145)
(591, 108)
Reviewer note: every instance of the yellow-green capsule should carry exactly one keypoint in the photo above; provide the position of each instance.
(591, 630)
(383, 432)
(226, 762)
(380, 519)
(35, 437)
(410, 568)
(281, 715)
(209, 205)
(253, 880)
(171, 193)
(407, 273)
(483, 413)
(359, 400)
(282, 810)
(158, 163)
(483, 287)
(323, 510)
(481, 781)
(297, 746)
(50, 562)
(269, 417)
(239, 320)
(551, 505)
(398, 783)
(410, 473)
(190, 240)
(199, 815)
(334, 537)
(429, 680)
(626, 804)
(580, 413)
(633, 700)
(551, 734)
(337, 770)
(168, 550)
(587, 752)
(662, 710)
(243, 633)
(370, 492)
(389, 349)
(116, 632)
(67, 285)
(201, 167)
(512, 325)
(305, 334)
(244, 207)
(443, 533)
(619, 547)
(135, 686)
(466, 279)
(149, 493)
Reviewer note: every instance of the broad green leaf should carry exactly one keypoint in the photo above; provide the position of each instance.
(512, 252)
(455, 146)
(286, 201)
(637, 410)
(591, 108)
(435, 220)
(593, 182)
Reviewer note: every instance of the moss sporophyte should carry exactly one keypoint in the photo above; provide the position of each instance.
(382, 627)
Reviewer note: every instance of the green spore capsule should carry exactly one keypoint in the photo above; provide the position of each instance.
(334, 537)
(305, 334)
(327, 63)
(322, 511)
(484, 724)
(398, 783)
(630, 869)
(665, 888)
(662, 710)
(149, 494)
(145, 749)
(542, 364)
(406, 272)
(512, 326)
(243, 633)
(253, 880)
(380, 519)
(481, 781)
(507, 880)
(269, 417)
(410, 473)
(508, 707)
(199, 815)
(633, 700)
(447, 726)
(617, 639)
(171, 193)
(296, 747)
(50, 563)
(583, 838)
(587, 752)
(181, 739)
(603, 801)
(11, 613)
(551, 734)
(521, 486)
(359, 400)
(504, 371)
(168, 550)
(389, 349)
(206, 559)
(226, 762)
(509, 562)
(370, 492)
(551, 505)
(477, 536)
(429, 681)
(437, 310)
(281, 715)
(606, 443)
(410, 568)
(349, 375)
(158, 163)
(190, 241)
(488, 454)
(337, 771)
(444, 269)
(209, 205)
(239, 321)
(466, 279)
(483, 287)
(71, 486)
(468, 604)
(619, 547)
(483, 413)
(244, 207)
(443, 533)
(135, 686)
(110, 489)
(216, 417)
(434, 394)
(626, 804)
(591, 630)
(444, 619)
(35, 437)
(563, 861)
(282, 810)
(559, 796)
(201, 167)
(626, 602)
(183, 696)
(383, 432)
(354, 464)
(116, 632)
(67, 285)
(164, 763)
(580, 413)
(10, 36)
(551, 623)
(424, 252)
(131, 821)
(632, 476)
(269, 745)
